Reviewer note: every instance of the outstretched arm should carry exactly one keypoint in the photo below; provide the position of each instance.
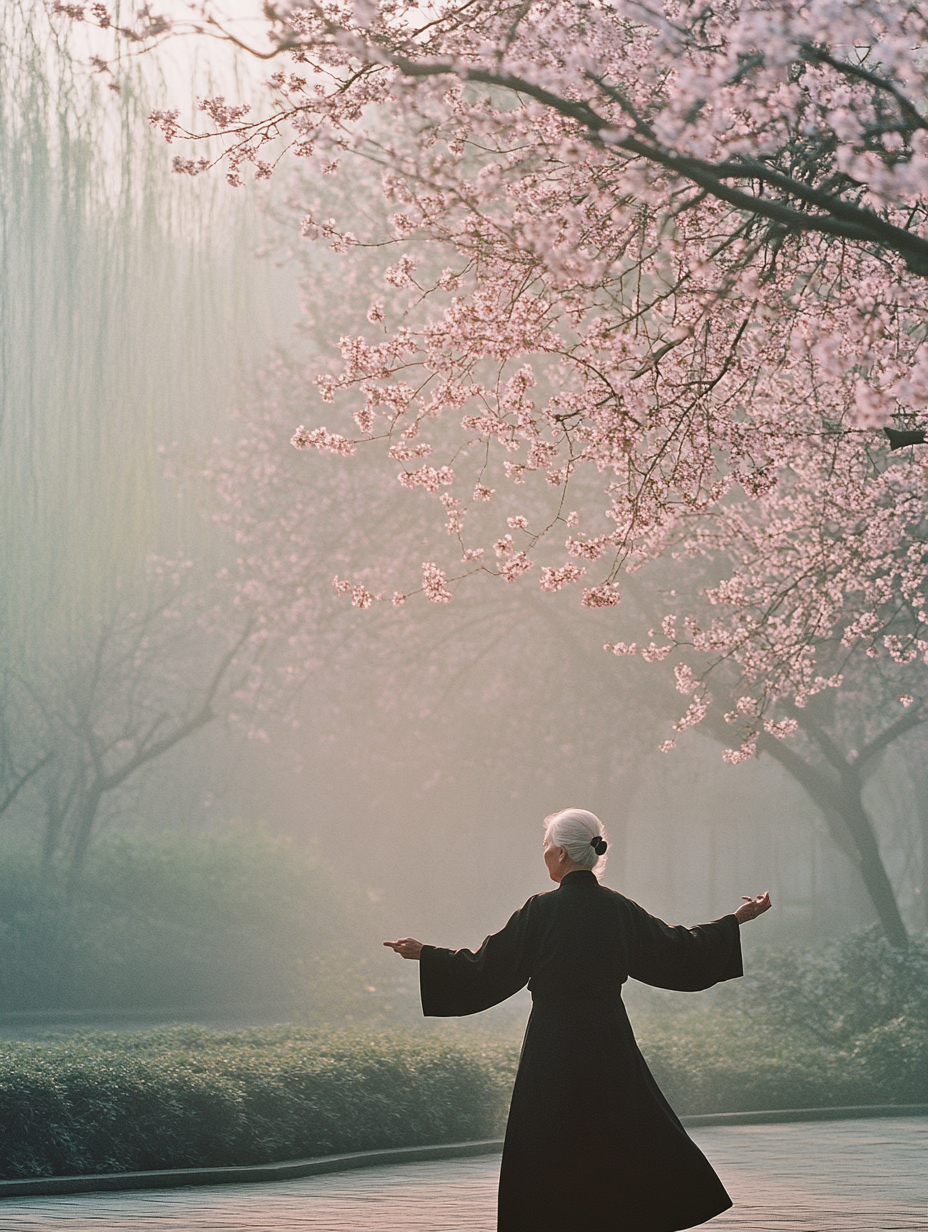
(456, 982)
(406, 947)
(751, 908)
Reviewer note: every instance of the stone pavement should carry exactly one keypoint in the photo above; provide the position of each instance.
(825, 1176)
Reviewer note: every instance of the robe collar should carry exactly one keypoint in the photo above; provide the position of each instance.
(580, 877)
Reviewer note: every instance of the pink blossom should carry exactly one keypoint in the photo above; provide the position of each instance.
(514, 565)
(361, 597)
(654, 653)
(166, 121)
(735, 757)
(400, 274)
(605, 595)
(555, 579)
(434, 583)
(321, 439)
(221, 113)
(695, 713)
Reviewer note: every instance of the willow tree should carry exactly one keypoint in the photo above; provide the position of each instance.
(123, 327)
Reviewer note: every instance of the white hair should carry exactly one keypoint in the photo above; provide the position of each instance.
(572, 829)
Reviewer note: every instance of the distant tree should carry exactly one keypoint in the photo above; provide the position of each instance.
(150, 675)
(17, 766)
(838, 745)
(918, 773)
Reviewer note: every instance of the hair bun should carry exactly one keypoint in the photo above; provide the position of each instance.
(599, 844)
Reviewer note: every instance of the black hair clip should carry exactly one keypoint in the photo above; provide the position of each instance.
(599, 844)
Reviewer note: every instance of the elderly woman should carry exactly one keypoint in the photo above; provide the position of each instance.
(591, 1145)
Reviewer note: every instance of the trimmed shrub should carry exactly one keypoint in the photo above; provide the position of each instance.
(805, 1032)
(846, 1024)
(837, 994)
(894, 1057)
(706, 1066)
(187, 1097)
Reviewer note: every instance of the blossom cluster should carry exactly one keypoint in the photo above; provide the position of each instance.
(683, 257)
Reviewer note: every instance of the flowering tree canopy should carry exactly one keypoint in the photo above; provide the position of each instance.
(686, 252)
(653, 285)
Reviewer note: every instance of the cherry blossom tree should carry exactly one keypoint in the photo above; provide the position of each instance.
(298, 517)
(838, 742)
(508, 678)
(657, 271)
(701, 227)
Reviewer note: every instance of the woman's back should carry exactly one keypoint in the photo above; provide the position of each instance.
(581, 935)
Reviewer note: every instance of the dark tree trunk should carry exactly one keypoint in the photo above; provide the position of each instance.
(838, 794)
(919, 776)
(873, 871)
(83, 833)
(835, 786)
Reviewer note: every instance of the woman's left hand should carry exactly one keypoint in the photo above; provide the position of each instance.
(406, 947)
(751, 908)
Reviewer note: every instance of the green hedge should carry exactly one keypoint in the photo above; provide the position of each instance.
(837, 993)
(187, 1097)
(845, 1025)
(711, 1065)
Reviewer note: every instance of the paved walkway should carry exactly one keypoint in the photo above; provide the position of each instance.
(826, 1176)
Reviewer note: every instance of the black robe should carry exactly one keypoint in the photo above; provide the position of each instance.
(591, 1145)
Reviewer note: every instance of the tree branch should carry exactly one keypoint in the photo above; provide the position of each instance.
(203, 716)
(831, 751)
(22, 781)
(818, 55)
(903, 724)
(842, 220)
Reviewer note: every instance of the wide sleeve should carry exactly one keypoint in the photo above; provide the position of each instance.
(455, 982)
(684, 959)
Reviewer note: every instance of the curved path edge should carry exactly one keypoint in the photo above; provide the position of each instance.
(173, 1178)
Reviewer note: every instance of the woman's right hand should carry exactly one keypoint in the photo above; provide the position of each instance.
(751, 908)
(406, 947)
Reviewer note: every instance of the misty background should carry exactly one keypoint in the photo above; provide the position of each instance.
(222, 786)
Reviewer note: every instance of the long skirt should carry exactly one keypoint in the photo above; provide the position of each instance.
(592, 1144)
